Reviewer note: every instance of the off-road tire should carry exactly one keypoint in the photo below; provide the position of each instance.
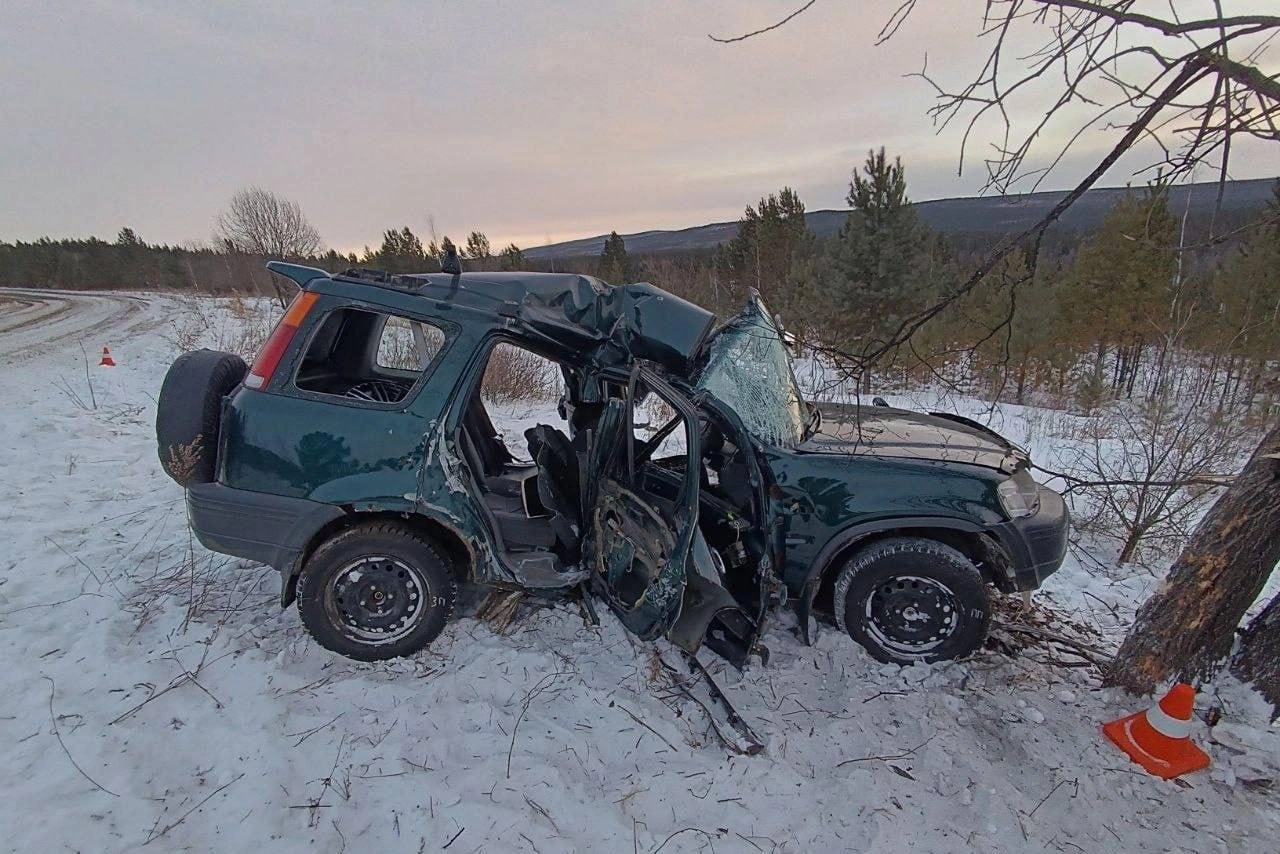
(388, 540)
(189, 411)
(891, 567)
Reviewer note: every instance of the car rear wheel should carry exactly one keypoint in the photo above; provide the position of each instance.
(376, 591)
(911, 599)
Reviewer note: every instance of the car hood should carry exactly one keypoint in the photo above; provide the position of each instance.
(881, 431)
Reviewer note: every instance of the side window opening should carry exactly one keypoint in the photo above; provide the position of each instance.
(407, 345)
(368, 356)
(520, 390)
(513, 438)
(659, 436)
(652, 415)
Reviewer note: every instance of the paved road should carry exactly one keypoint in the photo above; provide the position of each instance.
(35, 321)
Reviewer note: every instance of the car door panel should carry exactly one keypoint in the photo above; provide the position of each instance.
(639, 545)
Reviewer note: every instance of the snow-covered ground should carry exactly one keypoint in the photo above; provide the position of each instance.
(145, 706)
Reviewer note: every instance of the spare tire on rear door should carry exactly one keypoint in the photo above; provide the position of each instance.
(189, 411)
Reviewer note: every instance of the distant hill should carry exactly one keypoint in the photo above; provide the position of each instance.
(974, 215)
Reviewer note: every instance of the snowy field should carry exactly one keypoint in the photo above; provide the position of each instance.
(156, 697)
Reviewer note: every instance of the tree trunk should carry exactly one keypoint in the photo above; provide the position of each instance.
(1226, 383)
(1211, 382)
(1187, 626)
(1255, 377)
(1117, 371)
(1235, 392)
(1133, 368)
(1162, 365)
(1130, 546)
(1259, 658)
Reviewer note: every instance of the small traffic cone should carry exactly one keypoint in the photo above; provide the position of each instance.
(1159, 739)
(107, 361)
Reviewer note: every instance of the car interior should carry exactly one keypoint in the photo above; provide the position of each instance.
(367, 356)
(534, 501)
(533, 490)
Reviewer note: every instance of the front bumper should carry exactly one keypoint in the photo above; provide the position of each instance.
(1035, 545)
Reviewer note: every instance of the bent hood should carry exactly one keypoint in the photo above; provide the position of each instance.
(881, 431)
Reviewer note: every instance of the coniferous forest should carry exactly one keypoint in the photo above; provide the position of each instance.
(1154, 300)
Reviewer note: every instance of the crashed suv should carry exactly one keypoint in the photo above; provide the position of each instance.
(357, 457)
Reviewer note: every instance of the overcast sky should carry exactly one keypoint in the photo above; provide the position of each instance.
(530, 121)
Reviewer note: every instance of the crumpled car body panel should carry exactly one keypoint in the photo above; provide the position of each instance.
(805, 490)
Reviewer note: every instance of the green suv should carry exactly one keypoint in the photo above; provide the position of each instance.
(688, 484)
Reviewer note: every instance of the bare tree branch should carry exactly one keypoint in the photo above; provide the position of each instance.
(1181, 87)
(775, 26)
(259, 222)
(1168, 28)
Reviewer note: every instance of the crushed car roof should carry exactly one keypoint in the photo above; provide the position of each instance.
(617, 323)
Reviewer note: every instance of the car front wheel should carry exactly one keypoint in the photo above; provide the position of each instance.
(376, 591)
(910, 599)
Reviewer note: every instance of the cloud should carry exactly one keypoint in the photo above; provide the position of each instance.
(529, 121)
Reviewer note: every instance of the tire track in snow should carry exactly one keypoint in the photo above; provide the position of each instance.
(35, 321)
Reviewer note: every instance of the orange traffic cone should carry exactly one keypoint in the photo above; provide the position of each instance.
(1159, 739)
(107, 361)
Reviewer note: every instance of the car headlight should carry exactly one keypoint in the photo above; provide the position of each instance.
(1019, 495)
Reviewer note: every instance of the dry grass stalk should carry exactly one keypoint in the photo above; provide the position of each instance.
(499, 610)
(183, 459)
(518, 375)
(236, 325)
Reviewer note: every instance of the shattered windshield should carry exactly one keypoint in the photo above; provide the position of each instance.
(750, 369)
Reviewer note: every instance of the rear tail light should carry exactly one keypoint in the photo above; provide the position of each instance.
(273, 351)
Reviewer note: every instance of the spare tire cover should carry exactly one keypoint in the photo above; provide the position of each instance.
(189, 411)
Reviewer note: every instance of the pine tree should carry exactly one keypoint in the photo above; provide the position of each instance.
(477, 246)
(615, 266)
(769, 251)
(1120, 289)
(1243, 304)
(1187, 628)
(129, 240)
(1008, 323)
(511, 258)
(401, 252)
(877, 272)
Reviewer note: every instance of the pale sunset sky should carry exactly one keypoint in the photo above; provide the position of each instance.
(534, 122)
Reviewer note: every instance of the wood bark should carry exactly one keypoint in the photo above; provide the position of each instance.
(1258, 661)
(1187, 627)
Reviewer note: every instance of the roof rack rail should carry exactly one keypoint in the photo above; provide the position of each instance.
(368, 275)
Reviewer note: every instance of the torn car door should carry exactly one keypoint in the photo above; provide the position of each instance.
(639, 546)
(647, 552)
